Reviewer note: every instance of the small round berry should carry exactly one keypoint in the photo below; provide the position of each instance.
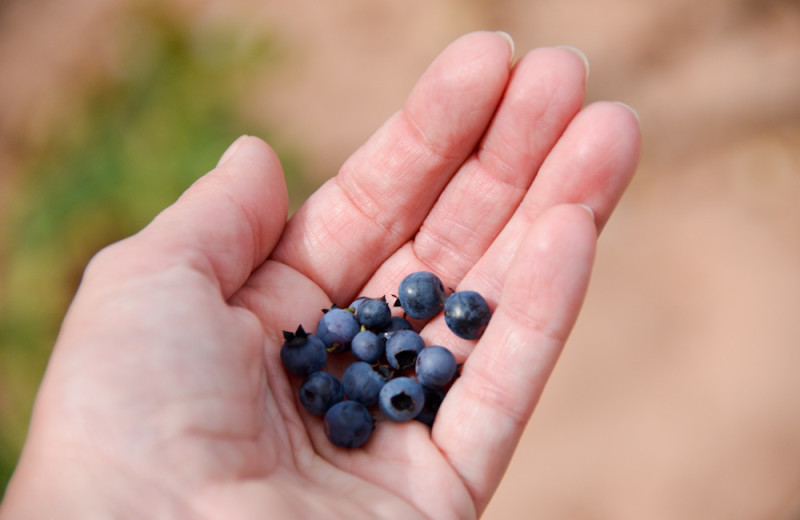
(336, 329)
(302, 353)
(433, 400)
(362, 382)
(374, 314)
(367, 346)
(421, 295)
(348, 424)
(436, 366)
(401, 399)
(467, 314)
(402, 347)
(319, 391)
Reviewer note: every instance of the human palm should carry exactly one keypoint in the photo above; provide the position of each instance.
(165, 395)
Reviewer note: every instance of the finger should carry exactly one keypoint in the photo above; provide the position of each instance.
(383, 192)
(223, 226)
(484, 414)
(545, 92)
(591, 164)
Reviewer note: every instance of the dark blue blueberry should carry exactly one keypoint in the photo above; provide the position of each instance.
(399, 323)
(357, 303)
(362, 382)
(467, 314)
(367, 346)
(401, 399)
(433, 400)
(348, 424)
(402, 347)
(319, 391)
(302, 353)
(435, 367)
(421, 295)
(374, 314)
(336, 329)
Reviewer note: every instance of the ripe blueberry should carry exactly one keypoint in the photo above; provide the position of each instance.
(433, 400)
(367, 346)
(401, 399)
(302, 353)
(362, 382)
(336, 329)
(374, 314)
(421, 295)
(348, 424)
(319, 391)
(467, 314)
(436, 366)
(402, 347)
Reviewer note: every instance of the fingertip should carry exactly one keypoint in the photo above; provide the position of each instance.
(511, 46)
(231, 150)
(632, 110)
(581, 56)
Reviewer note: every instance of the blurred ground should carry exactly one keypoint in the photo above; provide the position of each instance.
(678, 395)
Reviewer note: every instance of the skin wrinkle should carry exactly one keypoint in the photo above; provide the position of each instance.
(450, 246)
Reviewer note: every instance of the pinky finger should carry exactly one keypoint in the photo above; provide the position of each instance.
(485, 413)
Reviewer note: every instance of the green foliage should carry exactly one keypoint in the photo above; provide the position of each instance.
(143, 137)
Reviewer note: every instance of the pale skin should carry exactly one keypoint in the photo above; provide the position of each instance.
(165, 397)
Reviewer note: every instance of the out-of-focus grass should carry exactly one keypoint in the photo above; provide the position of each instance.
(145, 135)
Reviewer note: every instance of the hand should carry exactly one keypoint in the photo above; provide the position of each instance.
(165, 396)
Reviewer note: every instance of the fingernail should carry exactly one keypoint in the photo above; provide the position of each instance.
(633, 110)
(579, 53)
(231, 151)
(589, 209)
(511, 45)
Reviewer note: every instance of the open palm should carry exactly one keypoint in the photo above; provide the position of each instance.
(165, 396)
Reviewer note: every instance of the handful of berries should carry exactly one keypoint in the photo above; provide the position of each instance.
(392, 368)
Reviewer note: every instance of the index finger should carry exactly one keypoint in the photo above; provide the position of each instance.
(384, 191)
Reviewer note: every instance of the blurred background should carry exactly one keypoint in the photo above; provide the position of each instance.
(678, 395)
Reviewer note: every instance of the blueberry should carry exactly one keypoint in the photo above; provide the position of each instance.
(362, 382)
(336, 329)
(401, 399)
(433, 400)
(436, 366)
(348, 424)
(302, 353)
(421, 295)
(374, 313)
(319, 391)
(467, 314)
(402, 347)
(367, 346)
(399, 323)
(357, 303)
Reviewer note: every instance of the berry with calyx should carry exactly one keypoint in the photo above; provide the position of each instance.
(402, 347)
(336, 329)
(302, 353)
(362, 382)
(401, 399)
(374, 314)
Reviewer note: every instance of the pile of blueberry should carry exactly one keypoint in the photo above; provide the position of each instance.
(392, 368)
